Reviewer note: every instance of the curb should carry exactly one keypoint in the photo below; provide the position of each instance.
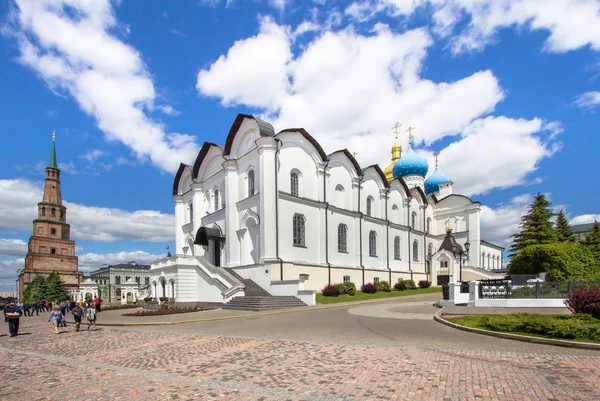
(518, 337)
(266, 313)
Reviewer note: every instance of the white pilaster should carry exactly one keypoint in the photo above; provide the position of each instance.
(267, 146)
(179, 222)
(232, 242)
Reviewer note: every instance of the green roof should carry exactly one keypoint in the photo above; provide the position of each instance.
(53, 163)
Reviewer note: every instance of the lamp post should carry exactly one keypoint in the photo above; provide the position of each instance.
(458, 251)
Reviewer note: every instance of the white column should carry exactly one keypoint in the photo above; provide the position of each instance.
(267, 147)
(474, 227)
(232, 242)
(198, 201)
(179, 222)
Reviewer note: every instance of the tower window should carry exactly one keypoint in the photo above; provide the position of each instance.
(250, 183)
(294, 184)
(53, 212)
(53, 231)
(43, 211)
(372, 243)
(53, 251)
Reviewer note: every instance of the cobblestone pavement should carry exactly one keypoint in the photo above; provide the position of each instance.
(110, 364)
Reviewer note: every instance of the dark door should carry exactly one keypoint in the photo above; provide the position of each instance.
(443, 279)
(217, 252)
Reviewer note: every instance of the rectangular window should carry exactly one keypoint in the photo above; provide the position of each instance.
(372, 243)
(298, 230)
(137, 279)
(117, 279)
(375, 280)
(397, 248)
(147, 280)
(191, 213)
(346, 279)
(294, 184)
(63, 251)
(53, 231)
(343, 238)
(53, 251)
(40, 231)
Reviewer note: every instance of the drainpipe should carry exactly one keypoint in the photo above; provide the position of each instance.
(387, 237)
(425, 242)
(326, 222)
(277, 211)
(409, 242)
(360, 216)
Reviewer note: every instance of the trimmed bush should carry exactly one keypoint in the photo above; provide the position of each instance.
(586, 300)
(331, 290)
(368, 288)
(424, 284)
(347, 288)
(383, 286)
(400, 285)
(410, 285)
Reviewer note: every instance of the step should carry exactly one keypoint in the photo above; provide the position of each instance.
(250, 287)
(259, 303)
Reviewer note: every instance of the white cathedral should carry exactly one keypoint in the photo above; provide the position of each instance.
(275, 209)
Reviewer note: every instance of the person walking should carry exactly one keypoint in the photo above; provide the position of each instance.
(12, 314)
(77, 316)
(55, 318)
(91, 317)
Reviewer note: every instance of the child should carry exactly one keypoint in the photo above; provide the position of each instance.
(91, 317)
(55, 318)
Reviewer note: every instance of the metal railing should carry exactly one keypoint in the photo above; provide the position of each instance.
(490, 289)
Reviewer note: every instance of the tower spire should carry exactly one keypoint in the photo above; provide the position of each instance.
(53, 163)
(436, 158)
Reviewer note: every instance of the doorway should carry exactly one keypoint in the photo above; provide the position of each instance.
(217, 252)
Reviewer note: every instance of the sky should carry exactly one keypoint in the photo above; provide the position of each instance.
(508, 91)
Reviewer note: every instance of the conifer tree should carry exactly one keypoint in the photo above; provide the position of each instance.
(592, 241)
(563, 229)
(536, 226)
(55, 290)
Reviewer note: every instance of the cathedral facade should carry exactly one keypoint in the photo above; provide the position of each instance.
(275, 208)
(50, 249)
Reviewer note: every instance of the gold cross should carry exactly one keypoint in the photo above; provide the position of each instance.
(396, 128)
(436, 157)
(53, 136)
(354, 154)
(410, 130)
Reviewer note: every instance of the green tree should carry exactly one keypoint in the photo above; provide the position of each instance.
(55, 290)
(592, 241)
(563, 261)
(536, 226)
(563, 229)
(38, 289)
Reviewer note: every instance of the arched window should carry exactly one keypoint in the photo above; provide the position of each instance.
(397, 248)
(216, 200)
(343, 238)
(53, 212)
(43, 211)
(429, 251)
(413, 220)
(294, 184)
(428, 227)
(250, 182)
(416, 251)
(298, 229)
(369, 206)
(372, 243)
(118, 293)
(117, 279)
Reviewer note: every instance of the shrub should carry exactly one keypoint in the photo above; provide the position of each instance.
(148, 299)
(368, 288)
(383, 286)
(585, 301)
(331, 290)
(163, 299)
(347, 288)
(424, 284)
(410, 285)
(400, 285)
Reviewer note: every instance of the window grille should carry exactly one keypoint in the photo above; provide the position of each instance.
(298, 230)
(250, 182)
(372, 243)
(397, 248)
(294, 184)
(416, 251)
(342, 238)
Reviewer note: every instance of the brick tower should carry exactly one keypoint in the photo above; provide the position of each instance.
(50, 247)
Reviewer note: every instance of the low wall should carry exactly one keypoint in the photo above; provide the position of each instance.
(520, 303)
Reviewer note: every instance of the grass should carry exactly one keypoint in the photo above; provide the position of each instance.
(559, 327)
(361, 296)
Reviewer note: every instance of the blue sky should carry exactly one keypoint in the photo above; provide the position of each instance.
(507, 91)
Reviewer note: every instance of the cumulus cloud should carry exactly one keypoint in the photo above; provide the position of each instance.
(92, 261)
(588, 100)
(346, 89)
(12, 247)
(8, 273)
(18, 206)
(585, 218)
(499, 223)
(71, 45)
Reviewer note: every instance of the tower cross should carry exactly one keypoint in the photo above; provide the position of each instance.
(53, 136)
(354, 154)
(396, 128)
(436, 157)
(410, 130)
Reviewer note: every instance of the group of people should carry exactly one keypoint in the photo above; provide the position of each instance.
(80, 310)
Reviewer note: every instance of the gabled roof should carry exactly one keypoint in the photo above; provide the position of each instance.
(178, 178)
(346, 153)
(380, 172)
(490, 244)
(309, 138)
(264, 128)
(422, 195)
(200, 158)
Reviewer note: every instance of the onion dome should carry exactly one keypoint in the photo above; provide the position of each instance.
(432, 184)
(396, 154)
(411, 164)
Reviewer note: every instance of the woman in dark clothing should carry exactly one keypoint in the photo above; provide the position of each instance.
(12, 314)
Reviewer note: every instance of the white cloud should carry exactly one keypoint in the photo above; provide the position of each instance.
(498, 224)
(12, 247)
(168, 110)
(70, 45)
(279, 4)
(588, 100)
(91, 261)
(585, 218)
(346, 89)
(93, 154)
(18, 206)
(8, 273)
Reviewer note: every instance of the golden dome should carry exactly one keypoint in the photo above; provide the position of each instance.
(396, 154)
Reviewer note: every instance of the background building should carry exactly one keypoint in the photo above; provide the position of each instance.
(111, 280)
(582, 230)
(50, 248)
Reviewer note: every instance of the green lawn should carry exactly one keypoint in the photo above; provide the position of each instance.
(561, 327)
(361, 296)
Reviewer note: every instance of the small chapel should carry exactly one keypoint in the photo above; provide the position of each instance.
(50, 249)
(275, 210)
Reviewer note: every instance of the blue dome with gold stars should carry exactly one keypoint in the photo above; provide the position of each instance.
(411, 164)
(432, 184)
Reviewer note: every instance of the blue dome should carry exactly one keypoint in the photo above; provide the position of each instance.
(411, 164)
(432, 184)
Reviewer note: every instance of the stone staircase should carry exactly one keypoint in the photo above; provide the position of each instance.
(263, 303)
(257, 298)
